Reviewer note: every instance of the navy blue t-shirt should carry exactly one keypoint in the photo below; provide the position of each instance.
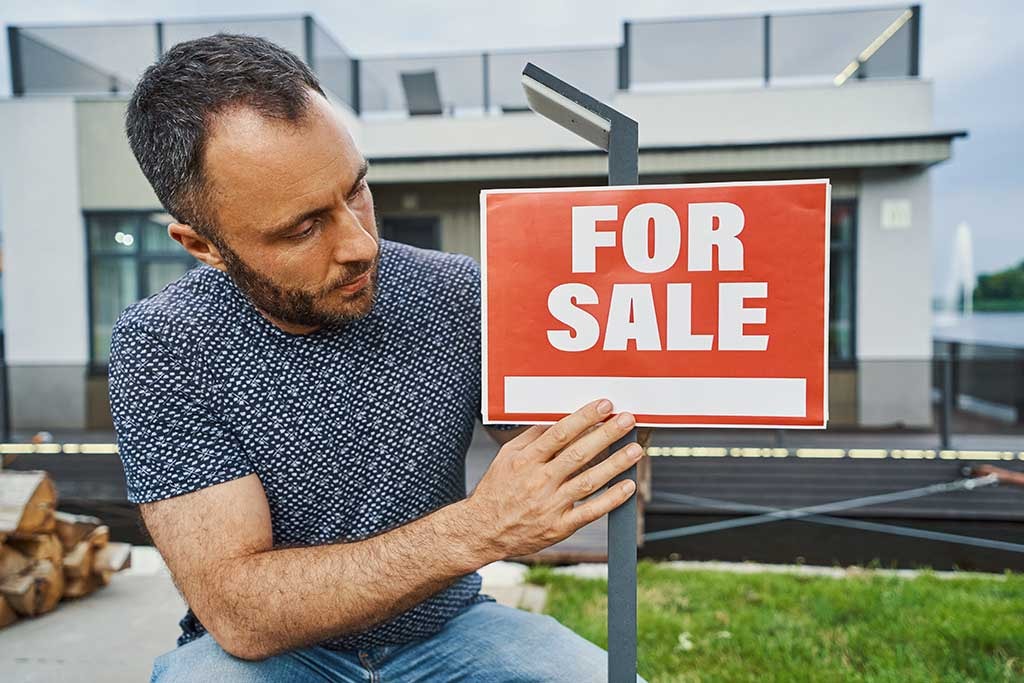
(352, 430)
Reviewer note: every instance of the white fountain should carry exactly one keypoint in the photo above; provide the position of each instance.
(960, 288)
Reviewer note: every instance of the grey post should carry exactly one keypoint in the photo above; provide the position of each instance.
(615, 133)
(949, 393)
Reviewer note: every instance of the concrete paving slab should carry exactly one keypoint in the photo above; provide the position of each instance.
(113, 635)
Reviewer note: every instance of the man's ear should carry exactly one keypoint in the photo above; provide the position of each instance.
(203, 249)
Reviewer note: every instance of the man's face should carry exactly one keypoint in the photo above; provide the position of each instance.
(294, 216)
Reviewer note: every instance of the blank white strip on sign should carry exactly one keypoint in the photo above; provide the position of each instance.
(719, 396)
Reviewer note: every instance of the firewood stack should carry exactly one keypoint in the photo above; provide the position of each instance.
(46, 555)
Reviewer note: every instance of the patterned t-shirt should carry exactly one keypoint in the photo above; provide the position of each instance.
(352, 430)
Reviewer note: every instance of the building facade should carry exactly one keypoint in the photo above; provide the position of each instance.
(833, 95)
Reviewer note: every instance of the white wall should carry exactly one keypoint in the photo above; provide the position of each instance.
(894, 301)
(110, 175)
(858, 109)
(44, 279)
(43, 235)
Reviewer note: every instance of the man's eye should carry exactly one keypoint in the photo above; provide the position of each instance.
(360, 189)
(308, 231)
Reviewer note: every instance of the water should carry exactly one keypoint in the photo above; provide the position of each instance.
(986, 329)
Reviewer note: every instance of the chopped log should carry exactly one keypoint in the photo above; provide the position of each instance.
(36, 590)
(80, 586)
(7, 614)
(110, 559)
(40, 547)
(12, 562)
(72, 529)
(20, 593)
(49, 586)
(27, 502)
(99, 536)
(78, 562)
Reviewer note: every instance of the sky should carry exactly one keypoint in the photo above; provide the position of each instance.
(971, 50)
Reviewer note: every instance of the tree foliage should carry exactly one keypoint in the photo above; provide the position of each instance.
(1005, 285)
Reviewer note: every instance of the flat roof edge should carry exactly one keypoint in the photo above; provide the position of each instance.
(948, 135)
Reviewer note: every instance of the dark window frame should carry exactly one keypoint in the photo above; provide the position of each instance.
(845, 250)
(139, 256)
(435, 231)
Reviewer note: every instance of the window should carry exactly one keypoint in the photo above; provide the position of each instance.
(130, 257)
(841, 288)
(419, 231)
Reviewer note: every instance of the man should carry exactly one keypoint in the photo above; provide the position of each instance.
(294, 413)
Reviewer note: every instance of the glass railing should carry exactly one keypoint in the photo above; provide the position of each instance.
(695, 51)
(876, 43)
(826, 47)
(109, 59)
(440, 84)
(333, 65)
(80, 59)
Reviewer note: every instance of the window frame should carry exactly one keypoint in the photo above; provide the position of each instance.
(845, 250)
(395, 219)
(139, 256)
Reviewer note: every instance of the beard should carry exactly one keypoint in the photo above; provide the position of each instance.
(324, 307)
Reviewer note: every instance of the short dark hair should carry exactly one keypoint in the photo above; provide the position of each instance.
(170, 112)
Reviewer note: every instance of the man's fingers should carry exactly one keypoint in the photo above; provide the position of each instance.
(590, 445)
(566, 430)
(590, 480)
(524, 439)
(595, 508)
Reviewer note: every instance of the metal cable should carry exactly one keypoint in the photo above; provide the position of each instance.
(842, 522)
(809, 513)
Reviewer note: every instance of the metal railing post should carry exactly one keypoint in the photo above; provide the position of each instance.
(307, 41)
(159, 28)
(947, 398)
(486, 65)
(14, 52)
(624, 57)
(355, 94)
(915, 42)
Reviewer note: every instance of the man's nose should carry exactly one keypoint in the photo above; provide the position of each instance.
(353, 241)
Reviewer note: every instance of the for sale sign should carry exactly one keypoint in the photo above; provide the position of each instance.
(687, 305)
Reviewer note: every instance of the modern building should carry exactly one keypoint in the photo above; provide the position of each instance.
(834, 95)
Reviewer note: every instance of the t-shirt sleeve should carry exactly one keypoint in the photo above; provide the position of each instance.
(169, 436)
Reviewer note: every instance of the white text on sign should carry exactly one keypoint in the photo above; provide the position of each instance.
(651, 241)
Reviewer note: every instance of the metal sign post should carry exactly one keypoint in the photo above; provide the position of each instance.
(615, 133)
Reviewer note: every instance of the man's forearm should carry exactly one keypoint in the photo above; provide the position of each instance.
(280, 599)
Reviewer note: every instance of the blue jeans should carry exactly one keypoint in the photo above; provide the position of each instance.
(485, 643)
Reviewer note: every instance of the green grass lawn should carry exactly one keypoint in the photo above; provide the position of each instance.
(723, 627)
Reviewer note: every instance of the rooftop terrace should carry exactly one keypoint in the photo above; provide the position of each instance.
(674, 54)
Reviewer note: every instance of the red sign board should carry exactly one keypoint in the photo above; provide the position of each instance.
(687, 305)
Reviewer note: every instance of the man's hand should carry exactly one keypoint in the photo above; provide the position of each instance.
(527, 500)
